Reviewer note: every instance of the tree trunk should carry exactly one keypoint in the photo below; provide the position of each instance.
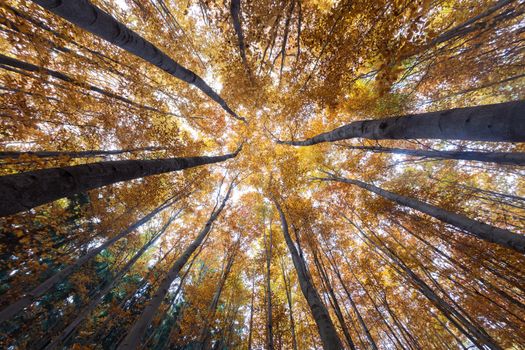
(352, 303)
(205, 336)
(335, 304)
(504, 122)
(23, 191)
(235, 9)
(135, 334)
(504, 238)
(250, 334)
(268, 253)
(325, 327)
(89, 17)
(512, 158)
(45, 286)
(13, 62)
(477, 336)
(76, 154)
(68, 331)
(290, 308)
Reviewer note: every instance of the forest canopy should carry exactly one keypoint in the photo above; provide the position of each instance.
(265, 174)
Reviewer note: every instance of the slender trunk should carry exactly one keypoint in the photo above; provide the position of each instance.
(70, 329)
(504, 238)
(478, 337)
(76, 154)
(290, 308)
(513, 158)
(59, 277)
(268, 253)
(13, 62)
(353, 304)
(89, 17)
(504, 122)
(135, 334)
(235, 9)
(335, 304)
(23, 191)
(250, 334)
(212, 309)
(325, 327)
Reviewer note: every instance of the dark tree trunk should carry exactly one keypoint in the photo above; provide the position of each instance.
(476, 335)
(45, 286)
(269, 319)
(89, 17)
(512, 158)
(23, 191)
(250, 334)
(325, 327)
(497, 123)
(235, 11)
(77, 154)
(290, 305)
(212, 309)
(13, 62)
(504, 238)
(135, 334)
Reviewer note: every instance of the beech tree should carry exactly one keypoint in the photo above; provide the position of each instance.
(127, 220)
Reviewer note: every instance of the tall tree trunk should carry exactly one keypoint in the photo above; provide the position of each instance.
(513, 158)
(489, 233)
(89, 17)
(269, 319)
(289, 301)
(250, 334)
(31, 296)
(76, 154)
(135, 334)
(477, 336)
(496, 122)
(333, 300)
(352, 303)
(212, 309)
(13, 62)
(70, 329)
(325, 327)
(235, 11)
(23, 191)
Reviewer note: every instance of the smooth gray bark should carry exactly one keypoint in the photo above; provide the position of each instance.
(135, 334)
(327, 332)
(503, 122)
(89, 17)
(31, 296)
(23, 191)
(512, 158)
(76, 154)
(504, 238)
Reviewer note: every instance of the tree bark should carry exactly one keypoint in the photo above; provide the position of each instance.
(512, 158)
(13, 62)
(290, 305)
(269, 319)
(250, 334)
(504, 238)
(212, 309)
(325, 327)
(23, 191)
(504, 122)
(45, 286)
(76, 154)
(235, 9)
(135, 334)
(89, 17)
